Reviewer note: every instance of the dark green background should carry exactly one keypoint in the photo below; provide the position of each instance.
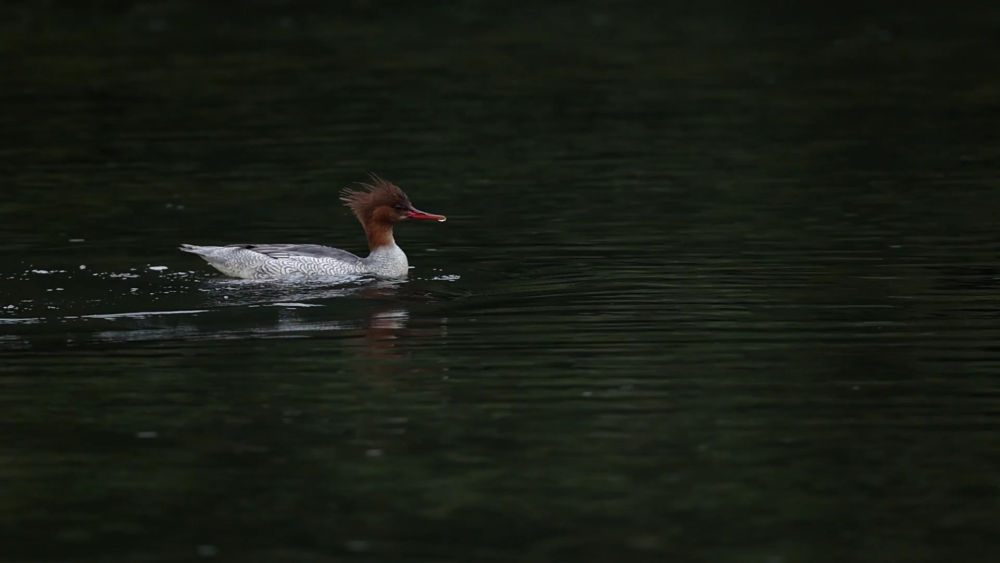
(719, 283)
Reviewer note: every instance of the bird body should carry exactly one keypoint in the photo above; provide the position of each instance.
(378, 206)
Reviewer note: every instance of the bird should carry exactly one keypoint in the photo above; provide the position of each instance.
(378, 205)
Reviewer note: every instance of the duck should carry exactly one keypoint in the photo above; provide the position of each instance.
(378, 206)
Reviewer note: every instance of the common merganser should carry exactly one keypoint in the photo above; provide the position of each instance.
(378, 206)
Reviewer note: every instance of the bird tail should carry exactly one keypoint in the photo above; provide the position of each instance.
(194, 249)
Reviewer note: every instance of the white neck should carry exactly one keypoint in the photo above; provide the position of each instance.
(387, 261)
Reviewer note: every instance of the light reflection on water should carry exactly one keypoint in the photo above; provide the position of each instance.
(229, 298)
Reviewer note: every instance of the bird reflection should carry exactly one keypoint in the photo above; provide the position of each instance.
(240, 309)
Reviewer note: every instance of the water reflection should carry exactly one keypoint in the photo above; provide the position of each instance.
(233, 309)
(266, 320)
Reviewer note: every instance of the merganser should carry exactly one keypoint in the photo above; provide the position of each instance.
(377, 206)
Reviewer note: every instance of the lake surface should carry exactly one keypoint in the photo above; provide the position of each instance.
(717, 284)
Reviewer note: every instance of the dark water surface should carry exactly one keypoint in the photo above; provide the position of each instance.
(718, 284)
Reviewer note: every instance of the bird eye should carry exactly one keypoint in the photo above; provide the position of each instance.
(399, 207)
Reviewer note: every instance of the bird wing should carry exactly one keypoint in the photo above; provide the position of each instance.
(291, 250)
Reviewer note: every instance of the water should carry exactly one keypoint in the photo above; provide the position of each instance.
(717, 284)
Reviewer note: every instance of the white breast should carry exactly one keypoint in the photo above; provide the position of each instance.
(387, 262)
